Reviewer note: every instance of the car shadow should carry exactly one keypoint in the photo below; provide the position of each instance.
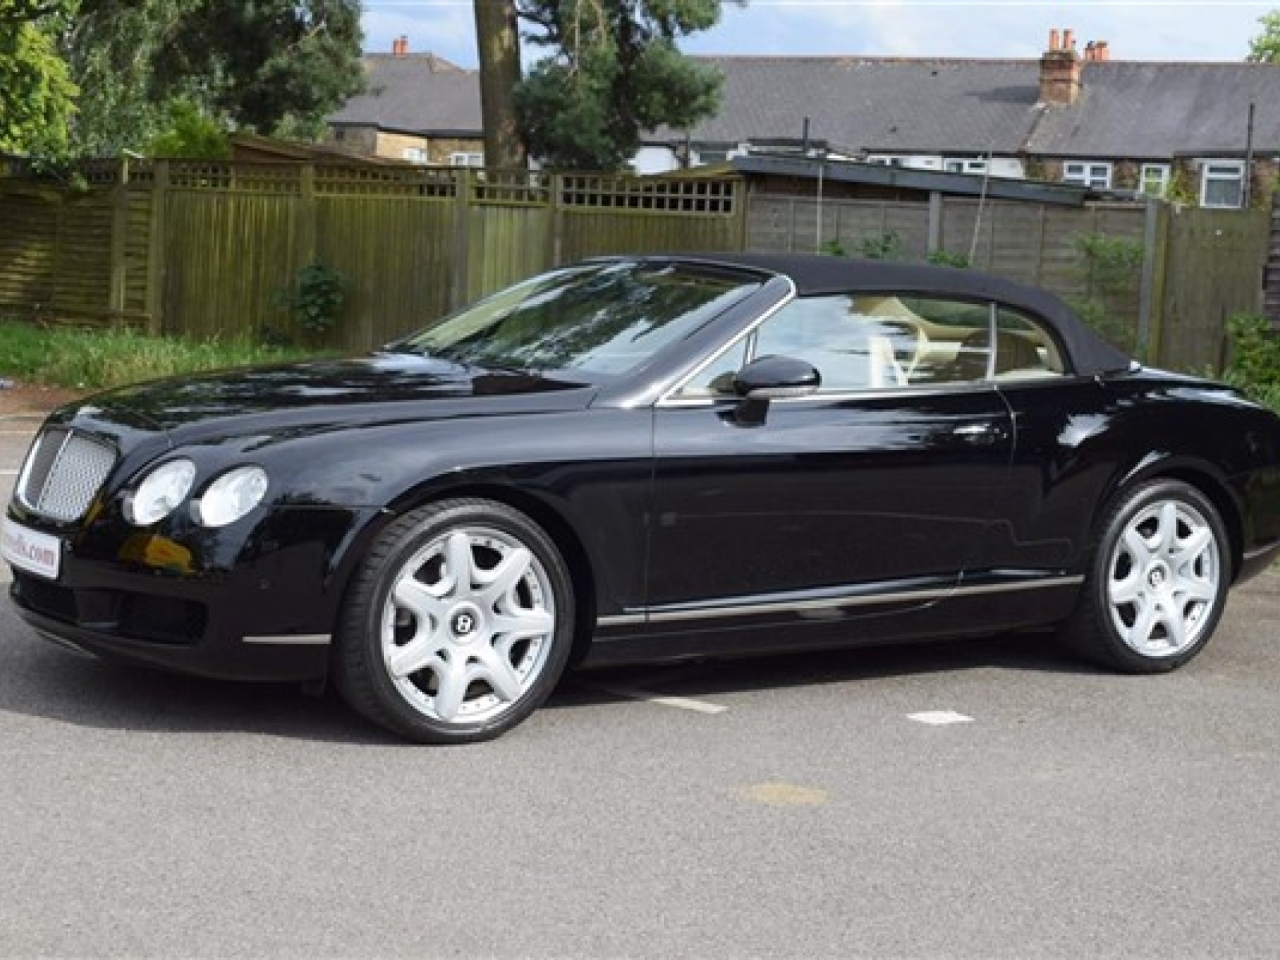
(38, 679)
(1028, 652)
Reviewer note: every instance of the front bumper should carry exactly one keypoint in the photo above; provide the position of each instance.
(269, 615)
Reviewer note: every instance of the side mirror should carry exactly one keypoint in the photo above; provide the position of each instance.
(771, 378)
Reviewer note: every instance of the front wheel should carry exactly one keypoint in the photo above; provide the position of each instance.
(458, 624)
(1157, 582)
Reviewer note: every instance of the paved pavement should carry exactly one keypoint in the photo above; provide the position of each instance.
(788, 807)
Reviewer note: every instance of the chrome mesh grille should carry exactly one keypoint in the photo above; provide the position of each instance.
(63, 473)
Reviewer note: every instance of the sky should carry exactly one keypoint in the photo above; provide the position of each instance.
(1141, 30)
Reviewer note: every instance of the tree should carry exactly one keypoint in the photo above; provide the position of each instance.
(499, 43)
(111, 47)
(616, 72)
(36, 91)
(273, 67)
(1265, 48)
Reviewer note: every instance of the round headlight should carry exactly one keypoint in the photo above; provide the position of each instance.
(160, 492)
(230, 497)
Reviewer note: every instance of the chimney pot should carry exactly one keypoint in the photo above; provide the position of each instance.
(1060, 71)
(1053, 39)
(1103, 51)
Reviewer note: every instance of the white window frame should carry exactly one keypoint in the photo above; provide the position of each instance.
(1156, 175)
(416, 155)
(1094, 174)
(887, 160)
(1222, 171)
(963, 165)
(466, 158)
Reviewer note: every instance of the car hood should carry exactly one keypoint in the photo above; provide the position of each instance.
(323, 394)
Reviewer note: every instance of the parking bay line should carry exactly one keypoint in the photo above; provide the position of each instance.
(680, 703)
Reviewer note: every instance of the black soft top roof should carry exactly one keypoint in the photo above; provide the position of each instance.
(815, 275)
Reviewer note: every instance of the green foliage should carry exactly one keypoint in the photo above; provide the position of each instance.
(1104, 323)
(615, 72)
(88, 359)
(191, 136)
(275, 67)
(1265, 48)
(316, 299)
(1111, 263)
(833, 248)
(36, 90)
(880, 246)
(1255, 358)
(111, 47)
(1182, 190)
(949, 258)
(1110, 268)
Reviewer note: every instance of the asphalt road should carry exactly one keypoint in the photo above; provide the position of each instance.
(788, 807)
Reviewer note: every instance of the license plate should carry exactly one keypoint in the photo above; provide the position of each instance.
(28, 550)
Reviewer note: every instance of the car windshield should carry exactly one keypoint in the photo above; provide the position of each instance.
(602, 318)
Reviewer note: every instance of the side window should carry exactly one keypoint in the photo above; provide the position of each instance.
(1024, 349)
(851, 349)
(956, 340)
(886, 341)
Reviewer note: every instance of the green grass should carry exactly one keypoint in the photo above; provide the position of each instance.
(93, 359)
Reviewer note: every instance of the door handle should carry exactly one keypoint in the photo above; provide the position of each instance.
(979, 433)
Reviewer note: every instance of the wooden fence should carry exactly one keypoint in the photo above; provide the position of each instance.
(1198, 268)
(209, 249)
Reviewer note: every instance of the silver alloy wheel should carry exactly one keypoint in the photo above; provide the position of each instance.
(1163, 579)
(468, 625)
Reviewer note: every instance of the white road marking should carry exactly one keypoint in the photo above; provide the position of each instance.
(8, 473)
(680, 703)
(939, 718)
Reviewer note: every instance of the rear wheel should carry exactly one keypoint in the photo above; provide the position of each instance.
(457, 625)
(1157, 583)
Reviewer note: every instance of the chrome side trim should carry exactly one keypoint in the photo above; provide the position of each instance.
(833, 603)
(622, 620)
(1257, 552)
(293, 639)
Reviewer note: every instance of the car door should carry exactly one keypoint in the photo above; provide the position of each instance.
(867, 497)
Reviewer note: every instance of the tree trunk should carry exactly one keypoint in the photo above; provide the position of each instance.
(499, 42)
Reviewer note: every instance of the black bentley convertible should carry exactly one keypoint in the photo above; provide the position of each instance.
(641, 458)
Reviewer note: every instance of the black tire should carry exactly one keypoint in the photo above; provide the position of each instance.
(453, 641)
(1141, 588)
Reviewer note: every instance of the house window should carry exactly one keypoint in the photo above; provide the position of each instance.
(1155, 179)
(1222, 184)
(415, 154)
(461, 159)
(884, 160)
(960, 165)
(1096, 176)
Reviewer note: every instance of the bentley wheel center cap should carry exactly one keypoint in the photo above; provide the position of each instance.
(464, 623)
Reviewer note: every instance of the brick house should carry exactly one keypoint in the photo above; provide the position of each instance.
(1180, 129)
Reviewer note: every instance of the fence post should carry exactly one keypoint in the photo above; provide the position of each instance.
(934, 243)
(557, 219)
(1151, 294)
(742, 211)
(458, 288)
(119, 231)
(157, 249)
(307, 219)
